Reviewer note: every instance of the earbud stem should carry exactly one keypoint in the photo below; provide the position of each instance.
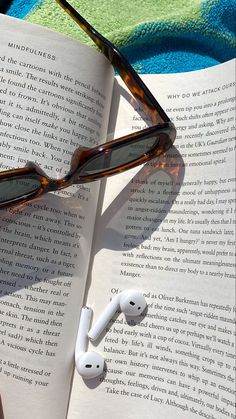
(104, 319)
(84, 325)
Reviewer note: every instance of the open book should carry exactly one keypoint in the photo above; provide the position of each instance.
(166, 228)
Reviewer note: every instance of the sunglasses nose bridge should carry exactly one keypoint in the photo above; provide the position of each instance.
(77, 157)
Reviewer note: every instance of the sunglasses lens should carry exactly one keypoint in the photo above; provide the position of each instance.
(21, 187)
(120, 156)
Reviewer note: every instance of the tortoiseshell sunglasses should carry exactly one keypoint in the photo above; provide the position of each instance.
(89, 164)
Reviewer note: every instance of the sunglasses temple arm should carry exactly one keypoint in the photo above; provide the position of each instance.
(132, 80)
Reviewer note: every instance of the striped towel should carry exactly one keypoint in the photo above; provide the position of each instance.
(157, 36)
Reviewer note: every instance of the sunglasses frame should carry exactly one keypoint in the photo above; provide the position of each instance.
(163, 128)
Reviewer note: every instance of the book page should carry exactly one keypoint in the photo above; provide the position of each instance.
(55, 96)
(168, 230)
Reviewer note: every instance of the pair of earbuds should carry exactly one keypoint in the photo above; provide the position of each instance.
(91, 364)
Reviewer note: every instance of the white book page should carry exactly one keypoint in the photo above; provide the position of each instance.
(168, 229)
(55, 96)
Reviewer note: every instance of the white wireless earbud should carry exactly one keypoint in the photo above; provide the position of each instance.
(130, 302)
(88, 364)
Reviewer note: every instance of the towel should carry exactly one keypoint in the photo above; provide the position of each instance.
(156, 36)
